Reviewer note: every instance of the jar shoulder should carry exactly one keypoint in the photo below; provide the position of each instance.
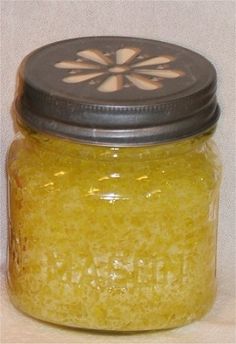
(38, 167)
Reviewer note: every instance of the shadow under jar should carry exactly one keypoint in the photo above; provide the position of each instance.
(114, 185)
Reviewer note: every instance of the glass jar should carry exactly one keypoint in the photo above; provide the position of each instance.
(113, 209)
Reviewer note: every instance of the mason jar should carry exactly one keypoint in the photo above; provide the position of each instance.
(114, 185)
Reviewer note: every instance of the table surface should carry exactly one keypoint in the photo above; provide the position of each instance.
(216, 327)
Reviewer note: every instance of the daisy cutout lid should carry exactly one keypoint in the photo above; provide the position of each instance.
(117, 90)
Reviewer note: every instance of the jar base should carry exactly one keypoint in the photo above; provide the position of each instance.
(108, 331)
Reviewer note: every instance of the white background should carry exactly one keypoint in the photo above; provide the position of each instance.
(207, 27)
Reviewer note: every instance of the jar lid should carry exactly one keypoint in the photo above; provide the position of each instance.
(117, 91)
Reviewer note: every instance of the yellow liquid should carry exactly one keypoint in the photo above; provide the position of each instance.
(120, 239)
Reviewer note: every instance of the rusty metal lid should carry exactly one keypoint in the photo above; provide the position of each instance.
(117, 91)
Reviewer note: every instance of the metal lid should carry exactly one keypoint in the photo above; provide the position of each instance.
(117, 90)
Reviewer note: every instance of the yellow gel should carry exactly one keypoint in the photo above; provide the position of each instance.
(120, 239)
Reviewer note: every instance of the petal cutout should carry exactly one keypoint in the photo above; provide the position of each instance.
(81, 77)
(126, 55)
(143, 83)
(154, 61)
(96, 56)
(163, 73)
(76, 65)
(111, 84)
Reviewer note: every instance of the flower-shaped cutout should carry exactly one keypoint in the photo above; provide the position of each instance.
(129, 68)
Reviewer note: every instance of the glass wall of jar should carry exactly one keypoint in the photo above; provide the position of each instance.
(113, 238)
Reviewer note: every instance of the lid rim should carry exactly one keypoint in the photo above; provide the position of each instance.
(119, 137)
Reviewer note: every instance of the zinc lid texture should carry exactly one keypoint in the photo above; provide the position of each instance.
(117, 91)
